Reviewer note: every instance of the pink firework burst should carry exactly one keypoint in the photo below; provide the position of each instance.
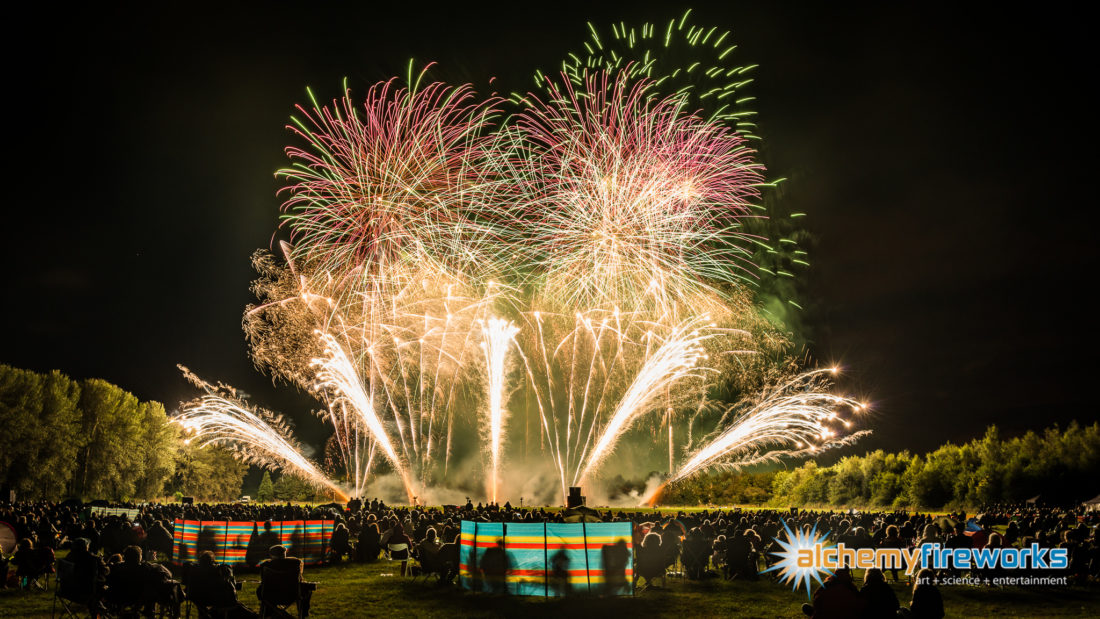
(382, 182)
(629, 198)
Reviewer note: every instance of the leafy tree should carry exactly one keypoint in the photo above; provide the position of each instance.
(94, 440)
(210, 473)
(294, 488)
(21, 401)
(111, 424)
(57, 438)
(158, 450)
(266, 493)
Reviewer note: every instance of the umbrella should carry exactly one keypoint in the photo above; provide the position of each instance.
(7, 538)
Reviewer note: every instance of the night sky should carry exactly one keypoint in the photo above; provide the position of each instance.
(945, 157)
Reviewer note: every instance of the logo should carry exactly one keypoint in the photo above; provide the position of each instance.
(806, 555)
(795, 564)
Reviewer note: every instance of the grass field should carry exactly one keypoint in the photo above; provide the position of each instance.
(370, 590)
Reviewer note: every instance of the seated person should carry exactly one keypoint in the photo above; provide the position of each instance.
(881, 600)
(449, 559)
(369, 543)
(649, 563)
(838, 598)
(89, 568)
(927, 603)
(158, 539)
(213, 586)
(397, 544)
(31, 561)
(428, 550)
(279, 562)
(696, 552)
(134, 582)
(340, 543)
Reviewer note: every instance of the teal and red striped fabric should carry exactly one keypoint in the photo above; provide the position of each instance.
(238, 543)
(548, 559)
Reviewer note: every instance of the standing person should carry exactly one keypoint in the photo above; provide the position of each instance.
(25, 561)
(893, 540)
(738, 550)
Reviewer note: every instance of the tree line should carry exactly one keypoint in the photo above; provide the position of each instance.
(288, 488)
(90, 439)
(1058, 466)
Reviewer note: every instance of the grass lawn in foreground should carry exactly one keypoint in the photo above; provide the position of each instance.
(376, 589)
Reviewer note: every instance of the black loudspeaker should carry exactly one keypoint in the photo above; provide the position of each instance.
(575, 499)
(187, 500)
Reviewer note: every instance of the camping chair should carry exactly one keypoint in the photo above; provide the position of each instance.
(153, 594)
(203, 608)
(43, 567)
(280, 590)
(448, 557)
(672, 559)
(168, 597)
(649, 566)
(429, 564)
(71, 591)
(130, 606)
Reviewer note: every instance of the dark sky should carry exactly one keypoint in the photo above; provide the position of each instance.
(945, 157)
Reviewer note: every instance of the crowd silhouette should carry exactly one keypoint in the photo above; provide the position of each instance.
(125, 558)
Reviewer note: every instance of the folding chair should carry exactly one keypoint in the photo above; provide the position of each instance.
(430, 564)
(203, 607)
(279, 590)
(71, 591)
(649, 566)
(129, 607)
(43, 567)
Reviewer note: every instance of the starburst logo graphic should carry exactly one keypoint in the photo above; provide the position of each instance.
(792, 564)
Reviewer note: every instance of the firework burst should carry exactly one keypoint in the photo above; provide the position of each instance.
(624, 199)
(694, 62)
(798, 417)
(498, 334)
(256, 435)
(382, 183)
(591, 254)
